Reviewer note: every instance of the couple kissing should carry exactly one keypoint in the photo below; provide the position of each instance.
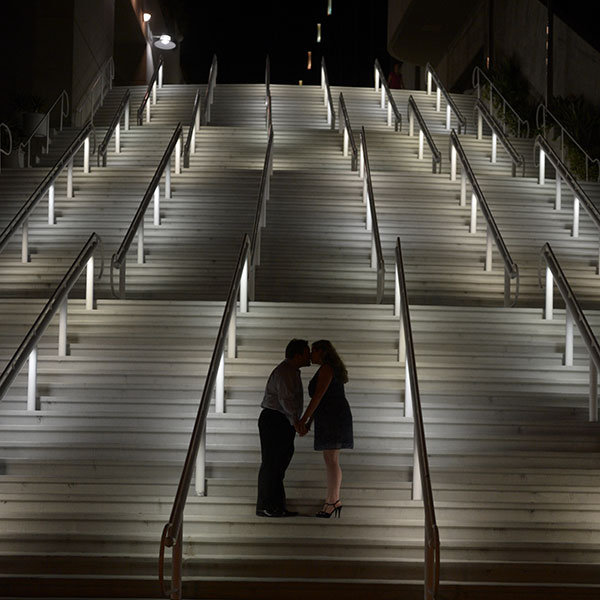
(282, 417)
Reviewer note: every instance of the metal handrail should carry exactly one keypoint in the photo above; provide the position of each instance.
(27, 348)
(386, 92)
(118, 260)
(105, 74)
(450, 104)
(155, 80)
(511, 269)
(21, 218)
(545, 111)
(172, 533)
(377, 260)
(190, 142)
(475, 80)
(63, 98)
(347, 132)
(563, 173)
(574, 314)
(209, 92)
(413, 110)
(483, 113)
(421, 461)
(268, 99)
(327, 100)
(260, 217)
(114, 128)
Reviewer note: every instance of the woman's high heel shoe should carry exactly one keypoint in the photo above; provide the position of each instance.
(336, 512)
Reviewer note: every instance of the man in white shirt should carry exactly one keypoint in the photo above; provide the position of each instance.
(278, 423)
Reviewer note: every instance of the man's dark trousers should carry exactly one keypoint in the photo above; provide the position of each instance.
(277, 448)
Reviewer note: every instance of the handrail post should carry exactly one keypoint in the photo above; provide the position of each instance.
(62, 328)
(157, 206)
(244, 288)
(382, 96)
(396, 294)
(568, 362)
(417, 484)
(473, 226)
(32, 381)
(376, 79)
(557, 200)
(118, 137)
(479, 125)
(429, 83)
(89, 284)
(494, 147)
(411, 122)
(70, 179)
(51, 220)
(160, 76)
(154, 93)
(448, 117)
(361, 170)
(126, 127)
(147, 112)
(506, 288)
(220, 386)
(541, 179)
(231, 341)
(140, 243)
(453, 163)
(421, 139)
(575, 232)
(488, 250)
(593, 405)
(463, 188)
(346, 138)
(178, 157)
(408, 407)
(25, 242)
(167, 180)
(86, 155)
(548, 312)
(438, 99)
(201, 465)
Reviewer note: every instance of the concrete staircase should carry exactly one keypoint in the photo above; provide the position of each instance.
(87, 482)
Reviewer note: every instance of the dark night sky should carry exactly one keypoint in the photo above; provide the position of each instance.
(242, 33)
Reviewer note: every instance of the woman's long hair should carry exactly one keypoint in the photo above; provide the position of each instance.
(332, 358)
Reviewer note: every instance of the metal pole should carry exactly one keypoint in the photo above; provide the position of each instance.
(168, 179)
(448, 117)
(542, 176)
(157, 206)
(494, 147)
(25, 242)
(575, 217)
(473, 228)
(178, 156)
(593, 392)
(417, 485)
(396, 293)
(154, 93)
(140, 243)
(220, 386)
(231, 344)
(438, 100)
(429, 83)
(411, 122)
(89, 284)
(201, 464)
(549, 293)
(127, 116)
(147, 112)
(369, 217)
(32, 381)
(488, 252)
(557, 201)
(345, 141)
(568, 338)
(51, 205)
(62, 328)
(479, 125)
(420, 155)
(244, 288)
(70, 179)
(408, 407)
(86, 155)
(118, 138)
(463, 188)
(453, 163)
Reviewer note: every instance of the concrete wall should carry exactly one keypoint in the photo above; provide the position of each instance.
(93, 41)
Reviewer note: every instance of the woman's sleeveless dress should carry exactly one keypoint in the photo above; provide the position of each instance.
(332, 419)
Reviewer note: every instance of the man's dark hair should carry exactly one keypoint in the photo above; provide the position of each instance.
(295, 347)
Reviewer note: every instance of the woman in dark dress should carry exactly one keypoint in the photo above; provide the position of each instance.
(332, 416)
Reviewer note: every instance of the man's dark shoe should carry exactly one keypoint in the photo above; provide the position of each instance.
(276, 513)
(269, 513)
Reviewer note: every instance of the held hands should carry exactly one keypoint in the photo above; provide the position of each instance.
(301, 428)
